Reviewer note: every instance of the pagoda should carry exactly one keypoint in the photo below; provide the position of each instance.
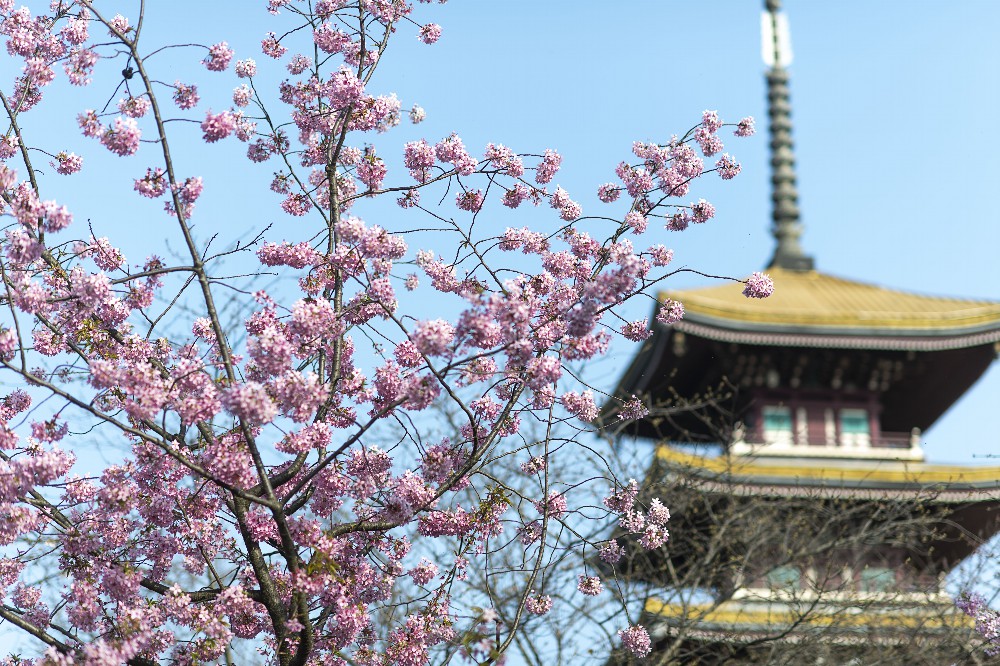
(807, 526)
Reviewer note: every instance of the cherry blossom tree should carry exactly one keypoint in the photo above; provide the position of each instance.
(282, 485)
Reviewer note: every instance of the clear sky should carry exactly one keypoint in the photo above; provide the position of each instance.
(893, 106)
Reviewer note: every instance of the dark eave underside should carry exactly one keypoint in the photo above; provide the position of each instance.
(693, 366)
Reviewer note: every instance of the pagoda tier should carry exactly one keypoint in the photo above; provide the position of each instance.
(782, 560)
(817, 534)
(825, 366)
(795, 633)
(842, 524)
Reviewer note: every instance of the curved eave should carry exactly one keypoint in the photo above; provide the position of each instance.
(828, 337)
(737, 475)
(817, 309)
(733, 618)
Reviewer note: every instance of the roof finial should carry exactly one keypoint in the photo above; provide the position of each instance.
(786, 228)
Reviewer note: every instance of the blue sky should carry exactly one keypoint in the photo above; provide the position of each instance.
(893, 106)
(891, 102)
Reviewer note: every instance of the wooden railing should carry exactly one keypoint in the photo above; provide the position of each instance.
(884, 440)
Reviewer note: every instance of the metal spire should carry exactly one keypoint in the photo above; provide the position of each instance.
(786, 228)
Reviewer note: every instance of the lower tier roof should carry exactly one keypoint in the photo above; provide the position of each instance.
(838, 477)
(739, 619)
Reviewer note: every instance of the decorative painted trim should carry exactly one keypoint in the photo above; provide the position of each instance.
(890, 341)
(767, 595)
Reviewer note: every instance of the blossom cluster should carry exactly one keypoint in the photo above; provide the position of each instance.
(987, 619)
(649, 526)
(251, 501)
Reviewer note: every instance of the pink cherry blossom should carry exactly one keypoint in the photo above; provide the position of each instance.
(590, 585)
(372, 172)
(709, 142)
(745, 127)
(219, 57)
(534, 466)
(271, 47)
(246, 69)
(758, 285)
(134, 107)
(298, 64)
(548, 167)
(123, 137)
(433, 337)
(424, 572)
(9, 144)
(581, 405)
(608, 192)
(120, 24)
(516, 195)
(727, 167)
(75, 31)
(430, 33)
(661, 255)
(710, 121)
(636, 640)
(670, 312)
(702, 211)
(242, 96)
(538, 604)
(217, 126)
(153, 184)
(185, 97)
(470, 200)
(249, 401)
(554, 507)
(330, 39)
(79, 65)
(68, 163)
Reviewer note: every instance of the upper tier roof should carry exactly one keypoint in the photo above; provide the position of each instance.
(809, 308)
(940, 345)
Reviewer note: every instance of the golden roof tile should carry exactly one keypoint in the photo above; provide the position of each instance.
(805, 301)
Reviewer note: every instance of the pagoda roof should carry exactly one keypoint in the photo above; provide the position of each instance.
(839, 477)
(738, 620)
(965, 499)
(813, 309)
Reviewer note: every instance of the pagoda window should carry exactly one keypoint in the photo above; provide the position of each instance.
(829, 427)
(855, 429)
(877, 579)
(801, 426)
(777, 424)
(785, 577)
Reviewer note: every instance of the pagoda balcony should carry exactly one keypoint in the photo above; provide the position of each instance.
(884, 446)
(846, 597)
